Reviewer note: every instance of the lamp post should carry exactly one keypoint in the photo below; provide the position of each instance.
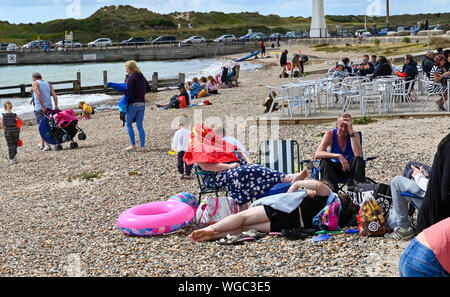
(387, 16)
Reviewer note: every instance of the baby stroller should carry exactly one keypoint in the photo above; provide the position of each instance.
(57, 127)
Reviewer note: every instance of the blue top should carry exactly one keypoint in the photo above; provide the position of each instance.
(195, 89)
(44, 88)
(335, 149)
(364, 72)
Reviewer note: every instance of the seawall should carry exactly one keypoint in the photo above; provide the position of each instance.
(125, 53)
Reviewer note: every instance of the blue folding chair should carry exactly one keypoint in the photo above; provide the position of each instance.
(412, 206)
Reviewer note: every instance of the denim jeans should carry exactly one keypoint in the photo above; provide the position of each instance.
(419, 261)
(138, 113)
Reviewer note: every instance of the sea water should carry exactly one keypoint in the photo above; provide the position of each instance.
(92, 74)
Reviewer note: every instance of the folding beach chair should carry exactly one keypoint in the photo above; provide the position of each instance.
(280, 155)
(206, 177)
(314, 168)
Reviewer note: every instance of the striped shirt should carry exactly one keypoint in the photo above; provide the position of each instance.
(437, 87)
(10, 122)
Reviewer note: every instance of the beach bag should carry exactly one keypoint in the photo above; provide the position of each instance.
(289, 66)
(328, 217)
(214, 210)
(360, 191)
(183, 101)
(304, 58)
(371, 221)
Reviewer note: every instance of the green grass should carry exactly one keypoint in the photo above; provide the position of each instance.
(364, 120)
(88, 176)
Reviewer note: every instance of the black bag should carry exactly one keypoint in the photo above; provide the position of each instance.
(174, 102)
(359, 192)
(296, 73)
(305, 58)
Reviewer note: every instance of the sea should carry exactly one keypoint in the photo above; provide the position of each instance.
(92, 74)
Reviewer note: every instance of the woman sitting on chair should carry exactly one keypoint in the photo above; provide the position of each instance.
(244, 182)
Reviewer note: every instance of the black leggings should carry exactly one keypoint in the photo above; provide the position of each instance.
(12, 140)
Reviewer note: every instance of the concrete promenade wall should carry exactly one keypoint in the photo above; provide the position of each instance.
(365, 40)
(124, 54)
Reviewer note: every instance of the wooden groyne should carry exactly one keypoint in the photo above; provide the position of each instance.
(155, 84)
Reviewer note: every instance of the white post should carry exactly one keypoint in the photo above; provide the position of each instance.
(318, 24)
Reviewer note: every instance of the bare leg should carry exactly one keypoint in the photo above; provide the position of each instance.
(252, 218)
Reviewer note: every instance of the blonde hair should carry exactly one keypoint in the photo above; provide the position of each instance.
(184, 121)
(80, 104)
(7, 106)
(132, 66)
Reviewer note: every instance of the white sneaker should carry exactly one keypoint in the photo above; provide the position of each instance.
(41, 147)
(11, 162)
(47, 148)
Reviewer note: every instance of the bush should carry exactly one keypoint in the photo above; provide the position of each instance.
(406, 40)
(364, 121)
(377, 41)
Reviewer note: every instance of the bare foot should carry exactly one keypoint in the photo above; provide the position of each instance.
(130, 148)
(292, 178)
(201, 235)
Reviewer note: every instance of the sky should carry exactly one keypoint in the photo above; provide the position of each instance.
(32, 11)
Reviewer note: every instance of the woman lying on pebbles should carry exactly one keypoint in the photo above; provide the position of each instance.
(267, 219)
(244, 182)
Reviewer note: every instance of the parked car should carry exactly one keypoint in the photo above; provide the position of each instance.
(274, 36)
(165, 39)
(344, 34)
(362, 33)
(37, 44)
(246, 37)
(133, 41)
(9, 47)
(69, 43)
(194, 39)
(402, 29)
(383, 32)
(257, 36)
(293, 34)
(100, 42)
(225, 38)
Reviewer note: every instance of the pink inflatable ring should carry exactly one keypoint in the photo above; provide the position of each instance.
(155, 218)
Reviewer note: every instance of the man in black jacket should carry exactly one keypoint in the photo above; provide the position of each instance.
(428, 63)
(436, 203)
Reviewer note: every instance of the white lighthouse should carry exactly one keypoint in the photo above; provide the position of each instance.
(318, 24)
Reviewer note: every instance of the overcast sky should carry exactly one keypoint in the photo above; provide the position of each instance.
(32, 11)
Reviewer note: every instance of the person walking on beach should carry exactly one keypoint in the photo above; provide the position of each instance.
(9, 125)
(42, 93)
(137, 86)
(283, 64)
(180, 144)
(263, 49)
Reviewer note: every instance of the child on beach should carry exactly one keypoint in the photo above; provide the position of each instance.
(180, 145)
(86, 110)
(212, 85)
(204, 90)
(9, 125)
(195, 88)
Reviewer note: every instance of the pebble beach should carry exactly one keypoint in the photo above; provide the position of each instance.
(59, 209)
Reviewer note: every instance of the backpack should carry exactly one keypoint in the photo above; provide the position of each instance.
(304, 58)
(371, 221)
(296, 73)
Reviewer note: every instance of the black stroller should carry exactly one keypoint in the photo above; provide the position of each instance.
(57, 127)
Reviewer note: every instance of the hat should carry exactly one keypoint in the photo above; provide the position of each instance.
(180, 86)
(341, 64)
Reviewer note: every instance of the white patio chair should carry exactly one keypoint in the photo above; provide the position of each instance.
(432, 88)
(370, 93)
(281, 96)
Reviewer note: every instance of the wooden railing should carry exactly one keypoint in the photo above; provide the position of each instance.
(76, 88)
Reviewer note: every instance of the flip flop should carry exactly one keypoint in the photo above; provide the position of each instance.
(321, 237)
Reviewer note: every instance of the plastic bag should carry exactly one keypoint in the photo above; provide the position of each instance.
(370, 219)
(214, 210)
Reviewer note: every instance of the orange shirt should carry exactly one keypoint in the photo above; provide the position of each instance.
(438, 238)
